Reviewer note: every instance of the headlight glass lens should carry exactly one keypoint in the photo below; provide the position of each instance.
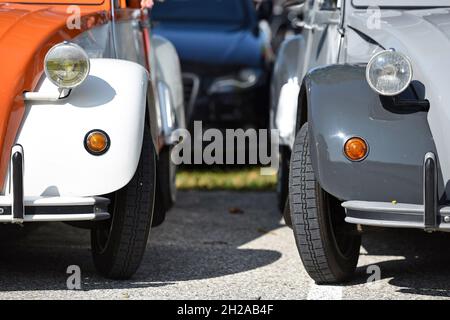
(248, 75)
(66, 65)
(389, 73)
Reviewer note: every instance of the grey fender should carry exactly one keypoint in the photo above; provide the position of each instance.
(285, 87)
(341, 105)
(169, 87)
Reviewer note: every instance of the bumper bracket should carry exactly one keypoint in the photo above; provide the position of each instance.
(429, 216)
(18, 206)
(430, 197)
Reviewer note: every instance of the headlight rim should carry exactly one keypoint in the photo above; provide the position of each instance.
(374, 88)
(81, 50)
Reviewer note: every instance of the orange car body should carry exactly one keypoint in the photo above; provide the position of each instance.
(85, 104)
(27, 32)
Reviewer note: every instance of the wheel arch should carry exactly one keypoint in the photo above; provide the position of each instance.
(302, 108)
(340, 105)
(103, 102)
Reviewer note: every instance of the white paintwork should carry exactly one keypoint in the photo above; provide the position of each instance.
(113, 99)
(286, 116)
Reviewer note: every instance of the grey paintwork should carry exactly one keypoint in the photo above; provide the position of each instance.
(398, 142)
(342, 103)
(423, 35)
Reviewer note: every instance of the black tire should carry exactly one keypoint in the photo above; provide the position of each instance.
(328, 246)
(287, 214)
(118, 244)
(283, 178)
(166, 189)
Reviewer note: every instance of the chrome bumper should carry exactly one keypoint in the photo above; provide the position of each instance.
(429, 216)
(15, 207)
(400, 215)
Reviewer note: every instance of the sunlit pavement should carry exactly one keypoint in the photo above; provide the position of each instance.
(226, 245)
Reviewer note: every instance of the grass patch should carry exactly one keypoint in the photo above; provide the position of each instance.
(248, 179)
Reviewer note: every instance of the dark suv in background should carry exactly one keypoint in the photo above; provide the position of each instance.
(225, 58)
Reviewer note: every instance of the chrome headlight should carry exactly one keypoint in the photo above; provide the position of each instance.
(249, 75)
(66, 65)
(389, 73)
(244, 79)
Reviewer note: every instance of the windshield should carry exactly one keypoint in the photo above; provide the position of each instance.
(214, 11)
(401, 3)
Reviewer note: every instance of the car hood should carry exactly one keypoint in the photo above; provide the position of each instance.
(26, 34)
(213, 44)
(423, 35)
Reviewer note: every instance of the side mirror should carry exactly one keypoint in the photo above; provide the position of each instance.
(265, 10)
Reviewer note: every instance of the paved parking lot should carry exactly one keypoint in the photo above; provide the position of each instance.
(205, 252)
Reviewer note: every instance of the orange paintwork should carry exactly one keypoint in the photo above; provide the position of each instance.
(27, 31)
(53, 2)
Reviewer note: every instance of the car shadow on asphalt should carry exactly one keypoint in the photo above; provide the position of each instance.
(193, 244)
(414, 261)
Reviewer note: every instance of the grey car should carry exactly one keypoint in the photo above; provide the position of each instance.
(360, 98)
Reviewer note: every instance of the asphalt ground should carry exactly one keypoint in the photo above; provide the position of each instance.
(223, 245)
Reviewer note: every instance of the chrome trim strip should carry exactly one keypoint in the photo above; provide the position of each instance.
(59, 217)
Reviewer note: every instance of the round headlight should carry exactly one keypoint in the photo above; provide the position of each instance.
(389, 73)
(248, 75)
(66, 65)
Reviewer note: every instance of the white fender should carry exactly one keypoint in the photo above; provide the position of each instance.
(56, 163)
(289, 70)
(286, 112)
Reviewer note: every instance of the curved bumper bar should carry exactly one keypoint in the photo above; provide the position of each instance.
(15, 207)
(40, 209)
(429, 216)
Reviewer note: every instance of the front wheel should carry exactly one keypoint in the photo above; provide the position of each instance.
(283, 178)
(328, 246)
(118, 244)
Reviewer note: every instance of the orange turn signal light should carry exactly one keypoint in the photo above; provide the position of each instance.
(96, 142)
(356, 149)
